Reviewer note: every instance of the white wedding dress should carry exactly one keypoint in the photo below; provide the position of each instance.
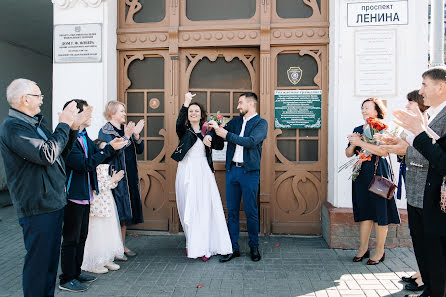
(199, 206)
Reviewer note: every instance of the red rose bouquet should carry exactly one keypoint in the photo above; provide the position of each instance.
(218, 118)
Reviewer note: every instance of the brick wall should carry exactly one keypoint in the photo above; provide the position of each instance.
(340, 231)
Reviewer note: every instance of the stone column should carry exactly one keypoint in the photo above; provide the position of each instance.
(436, 41)
(94, 82)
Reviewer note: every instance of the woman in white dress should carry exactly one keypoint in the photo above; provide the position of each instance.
(104, 242)
(198, 199)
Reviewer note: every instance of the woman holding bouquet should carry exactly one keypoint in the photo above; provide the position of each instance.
(198, 199)
(368, 208)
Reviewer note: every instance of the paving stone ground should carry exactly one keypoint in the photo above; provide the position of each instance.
(290, 266)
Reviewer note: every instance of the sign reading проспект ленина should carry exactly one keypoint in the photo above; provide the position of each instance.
(297, 109)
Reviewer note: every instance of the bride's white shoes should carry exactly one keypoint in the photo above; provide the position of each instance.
(98, 270)
(112, 266)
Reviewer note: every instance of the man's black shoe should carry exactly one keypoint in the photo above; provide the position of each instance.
(255, 254)
(227, 258)
(414, 287)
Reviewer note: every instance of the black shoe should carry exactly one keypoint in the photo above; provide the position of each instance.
(255, 254)
(229, 257)
(414, 287)
(86, 278)
(408, 279)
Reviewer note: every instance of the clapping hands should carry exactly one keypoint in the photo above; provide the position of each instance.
(83, 118)
(129, 129)
(69, 114)
(414, 122)
(118, 143)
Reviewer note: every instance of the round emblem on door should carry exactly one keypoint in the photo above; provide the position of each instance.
(154, 103)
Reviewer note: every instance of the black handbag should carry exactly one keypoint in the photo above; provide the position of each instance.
(382, 186)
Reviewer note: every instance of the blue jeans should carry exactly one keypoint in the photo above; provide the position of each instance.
(240, 183)
(42, 235)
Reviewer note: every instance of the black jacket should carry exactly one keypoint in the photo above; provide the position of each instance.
(434, 218)
(79, 168)
(188, 137)
(35, 173)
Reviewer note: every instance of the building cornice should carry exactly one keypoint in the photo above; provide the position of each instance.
(72, 3)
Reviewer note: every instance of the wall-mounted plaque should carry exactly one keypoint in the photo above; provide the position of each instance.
(297, 109)
(81, 43)
(375, 63)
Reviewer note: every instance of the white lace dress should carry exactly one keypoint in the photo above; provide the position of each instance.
(199, 206)
(104, 241)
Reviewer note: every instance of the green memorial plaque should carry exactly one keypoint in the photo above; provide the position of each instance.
(297, 109)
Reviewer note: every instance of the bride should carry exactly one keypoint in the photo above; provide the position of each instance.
(198, 199)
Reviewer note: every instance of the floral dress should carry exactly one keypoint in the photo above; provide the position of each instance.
(104, 241)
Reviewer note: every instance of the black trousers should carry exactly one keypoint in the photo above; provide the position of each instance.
(75, 230)
(436, 261)
(416, 227)
(41, 234)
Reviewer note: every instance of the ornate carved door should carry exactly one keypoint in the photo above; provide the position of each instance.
(300, 165)
(218, 77)
(144, 85)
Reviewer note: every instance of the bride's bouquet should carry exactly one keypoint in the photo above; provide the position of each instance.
(218, 118)
(373, 127)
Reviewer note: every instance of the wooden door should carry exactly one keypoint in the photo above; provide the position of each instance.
(144, 82)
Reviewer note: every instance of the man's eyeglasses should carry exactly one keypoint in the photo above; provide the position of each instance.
(40, 95)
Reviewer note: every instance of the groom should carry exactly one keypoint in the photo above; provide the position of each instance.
(245, 135)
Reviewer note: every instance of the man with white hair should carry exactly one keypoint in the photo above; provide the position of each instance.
(35, 174)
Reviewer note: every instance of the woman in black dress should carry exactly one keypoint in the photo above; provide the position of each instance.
(370, 209)
(127, 193)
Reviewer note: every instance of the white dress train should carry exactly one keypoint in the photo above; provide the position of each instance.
(199, 206)
(104, 241)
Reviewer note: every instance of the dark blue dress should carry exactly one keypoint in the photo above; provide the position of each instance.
(127, 193)
(367, 205)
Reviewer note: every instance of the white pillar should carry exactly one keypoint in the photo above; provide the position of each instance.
(94, 82)
(437, 33)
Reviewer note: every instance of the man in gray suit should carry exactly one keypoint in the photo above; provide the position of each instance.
(417, 170)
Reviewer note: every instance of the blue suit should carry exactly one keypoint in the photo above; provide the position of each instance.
(244, 181)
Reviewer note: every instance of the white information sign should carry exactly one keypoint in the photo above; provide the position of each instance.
(375, 63)
(378, 13)
(81, 43)
(220, 155)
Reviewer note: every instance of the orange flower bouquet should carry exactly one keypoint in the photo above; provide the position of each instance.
(374, 126)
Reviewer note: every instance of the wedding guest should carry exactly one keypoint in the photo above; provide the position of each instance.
(127, 192)
(368, 208)
(81, 164)
(432, 147)
(245, 135)
(104, 241)
(198, 199)
(416, 175)
(35, 175)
